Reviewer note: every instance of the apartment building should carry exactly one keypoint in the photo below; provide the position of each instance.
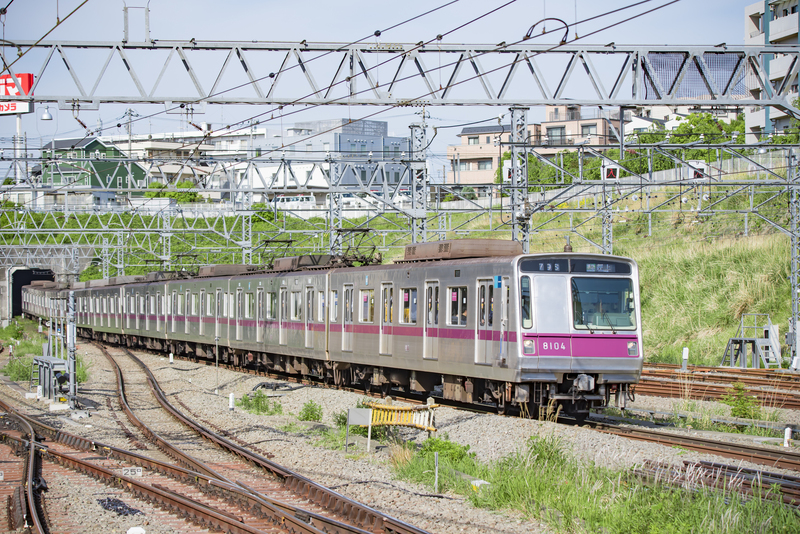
(770, 22)
(476, 159)
(576, 125)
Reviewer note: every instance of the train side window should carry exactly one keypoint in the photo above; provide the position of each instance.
(231, 306)
(334, 305)
(195, 310)
(297, 306)
(432, 305)
(272, 305)
(321, 306)
(409, 315)
(388, 304)
(180, 303)
(249, 306)
(525, 302)
(367, 305)
(458, 305)
(309, 304)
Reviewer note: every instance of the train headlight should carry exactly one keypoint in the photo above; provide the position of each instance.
(529, 346)
(633, 348)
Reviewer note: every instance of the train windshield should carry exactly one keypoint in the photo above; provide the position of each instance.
(603, 304)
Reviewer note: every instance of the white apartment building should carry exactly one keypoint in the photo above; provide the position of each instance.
(770, 22)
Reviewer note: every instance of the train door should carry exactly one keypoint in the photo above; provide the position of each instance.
(387, 299)
(201, 312)
(551, 297)
(159, 310)
(174, 311)
(218, 315)
(239, 312)
(487, 336)
(283, 315)
(259, 314)
(347, 319)
(149, 310)
(505, 302)
(309, 317)
(430, 350)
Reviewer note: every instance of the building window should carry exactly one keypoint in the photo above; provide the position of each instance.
(588, 129)
(488, 140)
(309, 146)
(557, 135)
(485, 165)
(326, 147)
(473, 140)
(461, 165)
(352, 148)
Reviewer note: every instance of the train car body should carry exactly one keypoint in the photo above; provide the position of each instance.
(486, 324)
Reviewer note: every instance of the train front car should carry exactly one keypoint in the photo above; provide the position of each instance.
(580, 330)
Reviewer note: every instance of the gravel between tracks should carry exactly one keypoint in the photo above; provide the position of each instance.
(368, 478)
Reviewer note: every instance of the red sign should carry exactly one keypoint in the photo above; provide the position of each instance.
(9, 88)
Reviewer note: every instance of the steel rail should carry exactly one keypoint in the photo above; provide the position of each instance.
(194, 511)
(750, 483)
(39, 524)
(361, 514)
(255, 502)
(784, 459)
(705, 391)
(722, 376)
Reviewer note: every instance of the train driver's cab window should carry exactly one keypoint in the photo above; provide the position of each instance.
(458, 305)
(409, 302)
(367, 305)
(297, 306)
(603, 304)
(334, 305)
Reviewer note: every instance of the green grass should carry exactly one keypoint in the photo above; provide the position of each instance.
(260, 404)
(543, 482)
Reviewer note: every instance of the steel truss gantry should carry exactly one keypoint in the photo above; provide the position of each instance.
(397, 74)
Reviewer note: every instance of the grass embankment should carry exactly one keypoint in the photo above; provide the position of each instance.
(23, 342)
(694, 294)
(545, 483)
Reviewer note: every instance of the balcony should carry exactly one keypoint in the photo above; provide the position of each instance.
(783, 27)
(779, 66)
(586, 114)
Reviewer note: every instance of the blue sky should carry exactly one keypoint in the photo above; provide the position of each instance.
(684, 22)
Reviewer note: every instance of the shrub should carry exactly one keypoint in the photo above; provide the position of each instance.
(742, 403)
(12, 331)
(260, 404)
(311, 411)
(19, 369)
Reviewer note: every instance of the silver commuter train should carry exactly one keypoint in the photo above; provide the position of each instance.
(475, 319)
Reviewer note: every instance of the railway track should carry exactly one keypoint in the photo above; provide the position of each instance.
(778, 457)
(702, 475)
(773, 389)
(242, 467)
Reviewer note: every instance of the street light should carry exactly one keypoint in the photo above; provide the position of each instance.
(46, 116)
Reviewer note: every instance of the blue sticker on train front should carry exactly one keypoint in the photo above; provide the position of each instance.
(498, 282)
